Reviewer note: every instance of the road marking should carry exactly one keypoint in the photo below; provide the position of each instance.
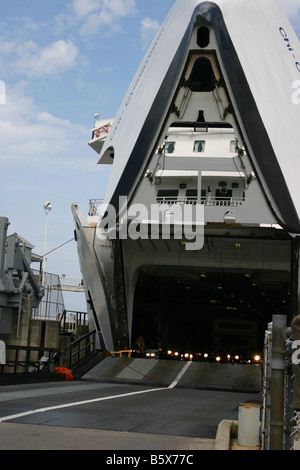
(77, 403)
(181, 373)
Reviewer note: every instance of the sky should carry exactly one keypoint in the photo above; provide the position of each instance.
(61, 62)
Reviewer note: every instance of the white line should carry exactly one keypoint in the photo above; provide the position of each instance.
(181, 373)
(94, 400)
(77, 403)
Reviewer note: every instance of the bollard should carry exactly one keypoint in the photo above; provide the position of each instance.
(2, 353)
(249, 425)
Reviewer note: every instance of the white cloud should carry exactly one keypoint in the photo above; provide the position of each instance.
(120, 8)
(92, 15)
(83, 8)
(148, 30)
(55, 58)
(37, 141)
(26, 57)
(50, 120)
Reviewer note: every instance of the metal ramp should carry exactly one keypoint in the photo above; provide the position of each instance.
(232, 377)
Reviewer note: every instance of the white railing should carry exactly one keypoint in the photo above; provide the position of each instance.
(210, 201)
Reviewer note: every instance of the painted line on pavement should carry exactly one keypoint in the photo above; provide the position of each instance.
(179, 376)
(77, 403)
(95, 400)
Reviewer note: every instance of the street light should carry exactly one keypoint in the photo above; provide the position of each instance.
(47, 208)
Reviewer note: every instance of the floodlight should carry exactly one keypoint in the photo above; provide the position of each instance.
(47, 206)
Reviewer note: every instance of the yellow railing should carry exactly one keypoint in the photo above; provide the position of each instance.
(126, 351)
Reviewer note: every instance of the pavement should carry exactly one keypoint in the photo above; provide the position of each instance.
(37, 437)
(180, 416)
(17, 436)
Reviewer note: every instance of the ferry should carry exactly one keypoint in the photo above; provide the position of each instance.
(196, 243)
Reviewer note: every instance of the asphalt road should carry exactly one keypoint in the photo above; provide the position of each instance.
(85, 415)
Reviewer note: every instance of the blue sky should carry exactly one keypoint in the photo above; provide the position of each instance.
(62, 61)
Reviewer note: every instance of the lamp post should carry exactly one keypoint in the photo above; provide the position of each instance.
(47, 208)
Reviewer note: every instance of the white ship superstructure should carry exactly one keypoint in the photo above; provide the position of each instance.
(195, 244)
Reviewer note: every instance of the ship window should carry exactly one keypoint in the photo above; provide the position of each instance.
(202, 77)
(192, 194)
(199, 146)
(167, 194)
(224, 194)
(233, 145)
(203, 36)
(169, 147)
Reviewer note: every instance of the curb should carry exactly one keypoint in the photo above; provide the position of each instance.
(222, 441)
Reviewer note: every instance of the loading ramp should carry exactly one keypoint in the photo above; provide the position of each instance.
(185, 374)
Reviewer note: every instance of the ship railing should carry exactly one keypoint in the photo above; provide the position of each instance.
(94, 205)
(207, 201)
(71, 319)
(80, 348)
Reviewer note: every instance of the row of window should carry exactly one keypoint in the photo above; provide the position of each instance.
(192, 194)
(199, 146)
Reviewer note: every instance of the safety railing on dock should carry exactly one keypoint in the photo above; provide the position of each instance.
(27, 359)
(80, 348)
(70, 320)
